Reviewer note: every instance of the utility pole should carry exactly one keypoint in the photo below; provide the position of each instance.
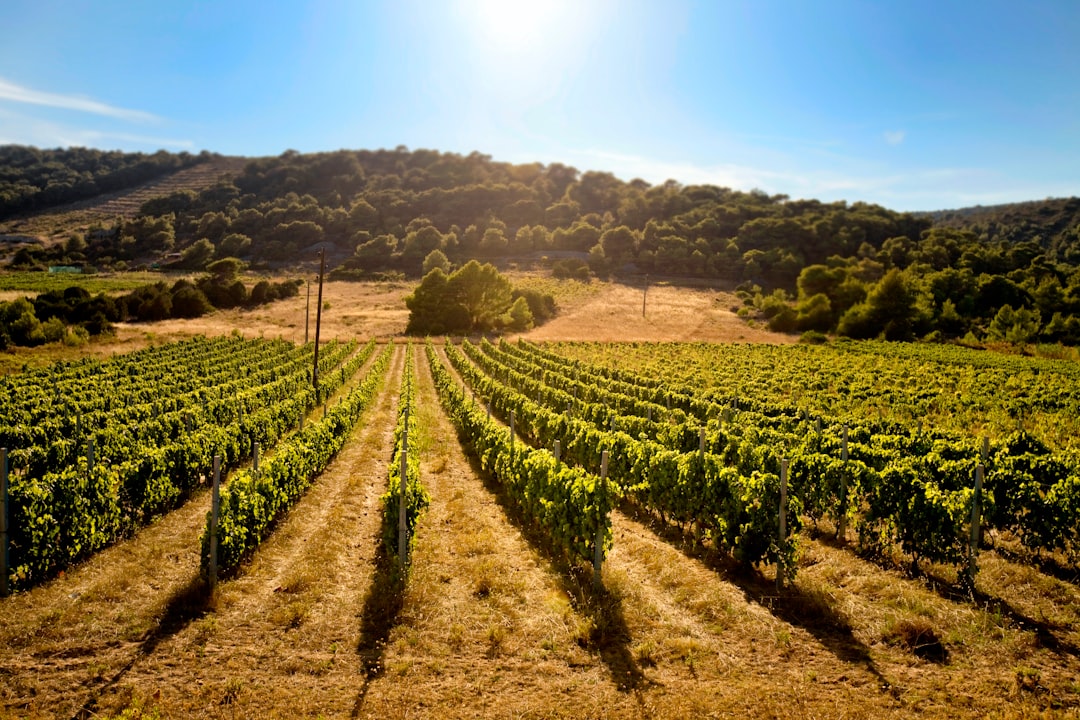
(318, 322)
(307, 312)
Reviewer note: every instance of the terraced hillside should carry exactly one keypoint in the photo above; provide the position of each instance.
(127, 203)
(58, 222)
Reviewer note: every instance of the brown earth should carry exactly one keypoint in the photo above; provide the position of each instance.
(604, 312)
(492, 625)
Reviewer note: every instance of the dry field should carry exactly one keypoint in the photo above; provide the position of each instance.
(490, 624)
(600, 312)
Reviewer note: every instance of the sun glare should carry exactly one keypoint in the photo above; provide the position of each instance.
(520, 26)
(524, 51)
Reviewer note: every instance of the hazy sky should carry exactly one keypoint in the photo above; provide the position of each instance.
(914, 105)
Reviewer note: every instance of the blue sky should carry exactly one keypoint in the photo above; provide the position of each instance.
(914, 105)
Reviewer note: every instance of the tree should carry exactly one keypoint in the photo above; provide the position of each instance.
(482, 292)
(890, 310)
(429, 313)
(227, 269)
(436, 259)
(520, 317)
(198, 254)
(473, 299)
(618, 243)
(493, 242)
(234, 245)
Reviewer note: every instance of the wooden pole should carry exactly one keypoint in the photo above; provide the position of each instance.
(403, 528)
(215, 509)
(5, 558)
(511, 433)
(255, 458)
(558, 453)
(780, 569)
(598, 541)
(644, 294)
(841, 527)
(307, 313)
(90, 454)
(976, 521)
(318, 324)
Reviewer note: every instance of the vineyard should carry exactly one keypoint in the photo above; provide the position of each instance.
(468, 528)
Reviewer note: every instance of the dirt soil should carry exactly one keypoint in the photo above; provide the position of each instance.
(491, 624)
(608, 312)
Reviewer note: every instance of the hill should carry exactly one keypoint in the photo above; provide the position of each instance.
(855, 269)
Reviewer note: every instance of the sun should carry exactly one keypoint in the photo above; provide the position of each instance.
(523, 27)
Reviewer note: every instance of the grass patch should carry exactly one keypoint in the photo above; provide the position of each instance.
(42, 282)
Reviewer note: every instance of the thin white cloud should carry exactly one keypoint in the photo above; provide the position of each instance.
(17, 93)
(894, 137)
(18, 129)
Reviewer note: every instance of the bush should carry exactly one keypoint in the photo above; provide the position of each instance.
(541, 305)
(571, 269)
(814, 337)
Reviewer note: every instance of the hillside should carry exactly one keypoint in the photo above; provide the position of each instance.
(1000, 274)
(129, 202)
(61, 220)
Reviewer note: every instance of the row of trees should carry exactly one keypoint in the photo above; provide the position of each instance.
(73, 313)
(819, 266)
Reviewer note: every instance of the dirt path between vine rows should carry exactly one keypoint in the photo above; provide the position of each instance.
(688, 633)
(84, 635)
(280, 638)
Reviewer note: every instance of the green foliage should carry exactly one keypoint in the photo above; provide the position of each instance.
(436, 259)
(417, 498)
(33, 179)
(907, 487)
(250, 503)
(568, 504)
(387, 210)
(156, 419)
(736, 507)
(198, 254)
(472, 299)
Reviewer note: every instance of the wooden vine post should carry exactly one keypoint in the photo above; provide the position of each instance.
(5, 559)
(215, 511)
(976, 522)
(780, 567)
(255, 458)
(403, 527)
(841, 527)
(598, 541)
(558, 453)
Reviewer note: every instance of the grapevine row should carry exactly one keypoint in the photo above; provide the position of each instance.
(737, 511)
(252, 502)
(416, 497)
(64, 516)
(567, 503)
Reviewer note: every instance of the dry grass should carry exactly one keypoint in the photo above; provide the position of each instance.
(596, 311)
(612, 312)
(490, 624)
